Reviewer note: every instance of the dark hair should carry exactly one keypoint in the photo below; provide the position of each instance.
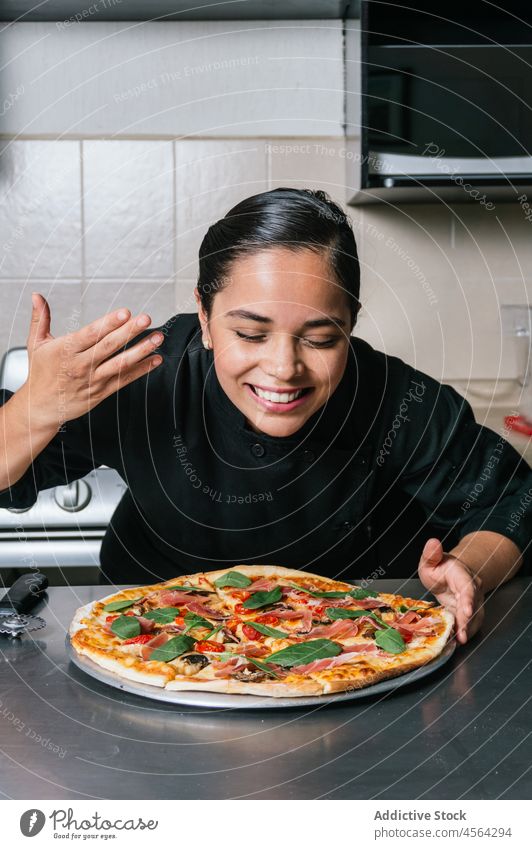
(296, 219)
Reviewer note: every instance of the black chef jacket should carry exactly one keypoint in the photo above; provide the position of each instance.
(205, 491)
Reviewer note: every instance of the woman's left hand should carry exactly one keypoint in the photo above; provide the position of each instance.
(455, 586)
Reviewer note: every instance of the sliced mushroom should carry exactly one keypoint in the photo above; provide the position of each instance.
(250, 675)
(197, 660)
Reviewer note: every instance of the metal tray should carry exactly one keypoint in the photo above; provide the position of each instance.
(230, 702)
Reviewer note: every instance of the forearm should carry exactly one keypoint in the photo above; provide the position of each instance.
(492, 556)
(22, 438)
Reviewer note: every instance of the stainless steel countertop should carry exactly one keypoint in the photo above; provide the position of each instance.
(459, 733)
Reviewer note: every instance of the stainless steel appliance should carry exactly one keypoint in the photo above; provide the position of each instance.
(66, 525)
(442, 109)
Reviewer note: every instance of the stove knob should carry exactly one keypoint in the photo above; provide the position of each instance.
(74, 496)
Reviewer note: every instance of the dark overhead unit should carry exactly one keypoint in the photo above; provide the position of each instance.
(445, 102)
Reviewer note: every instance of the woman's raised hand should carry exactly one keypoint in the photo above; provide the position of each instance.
(71, 374)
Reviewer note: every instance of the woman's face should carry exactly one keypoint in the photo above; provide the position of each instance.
(280, 335)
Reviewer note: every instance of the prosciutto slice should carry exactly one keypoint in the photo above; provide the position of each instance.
(262, 584)
(171, 598)
(222, 669)
(146, 625)
(340, 628)
(330, 662)
(157, 641)
(424, 627)
(288, 614)
(253, 650)
(203, 610)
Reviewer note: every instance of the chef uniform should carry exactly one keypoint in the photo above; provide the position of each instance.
(207, 492)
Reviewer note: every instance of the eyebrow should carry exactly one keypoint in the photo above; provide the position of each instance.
(315, 322)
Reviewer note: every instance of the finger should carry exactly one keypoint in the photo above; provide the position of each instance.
(134, 373)
(432, 555)
(465, 591)
(476, 622)
(91, 334)
(126, 360)
(117, 338)
(40, 321)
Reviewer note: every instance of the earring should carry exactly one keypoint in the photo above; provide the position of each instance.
(206, 344)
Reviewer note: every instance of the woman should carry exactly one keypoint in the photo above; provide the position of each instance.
(260, 430)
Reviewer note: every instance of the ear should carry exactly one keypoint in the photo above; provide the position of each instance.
(201, 312)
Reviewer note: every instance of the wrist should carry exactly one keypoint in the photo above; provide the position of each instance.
(468, 564)
(33, 417)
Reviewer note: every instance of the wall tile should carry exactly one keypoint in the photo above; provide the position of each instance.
(211, 177)
(308, 164)
(184, 299)
(128, 209)
(209, 78)
(156, 297)
(395, 239)
(40, 214)
(64, 298)
(491, 243)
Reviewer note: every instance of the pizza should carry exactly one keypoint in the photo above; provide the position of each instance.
(260, 630)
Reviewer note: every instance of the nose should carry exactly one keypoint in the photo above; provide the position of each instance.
(282, 360)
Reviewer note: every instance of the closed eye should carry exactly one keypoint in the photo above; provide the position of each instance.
(326, 343)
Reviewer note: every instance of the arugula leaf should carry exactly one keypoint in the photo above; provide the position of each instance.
(404, 609)
(233, 579)
(195, 621)
(173, 648)
(163, 615)
(263, 598)
(357, 593)
(390, 640)
(305, 652)
(227, 655)
(342, 613)
(261, 665)
(126, 627)
(121, 605)
(213, 632)
(267, 629)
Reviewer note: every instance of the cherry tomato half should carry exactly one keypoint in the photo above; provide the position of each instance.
(142, 638)
(207, 645)
(250, 633)
(268, 619)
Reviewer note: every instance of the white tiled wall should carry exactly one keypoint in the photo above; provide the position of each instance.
(169, 78)
(117, 215)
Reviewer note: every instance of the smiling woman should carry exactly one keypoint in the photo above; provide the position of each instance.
(284, 301)
(260, 431)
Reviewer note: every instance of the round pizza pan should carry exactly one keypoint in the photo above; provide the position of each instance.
(228, 701)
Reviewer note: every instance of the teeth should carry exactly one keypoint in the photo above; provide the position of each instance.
(279, 397)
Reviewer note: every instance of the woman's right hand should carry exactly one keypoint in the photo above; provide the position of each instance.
(71, 374)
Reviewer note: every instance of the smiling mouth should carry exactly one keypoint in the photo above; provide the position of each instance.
(280, 397)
